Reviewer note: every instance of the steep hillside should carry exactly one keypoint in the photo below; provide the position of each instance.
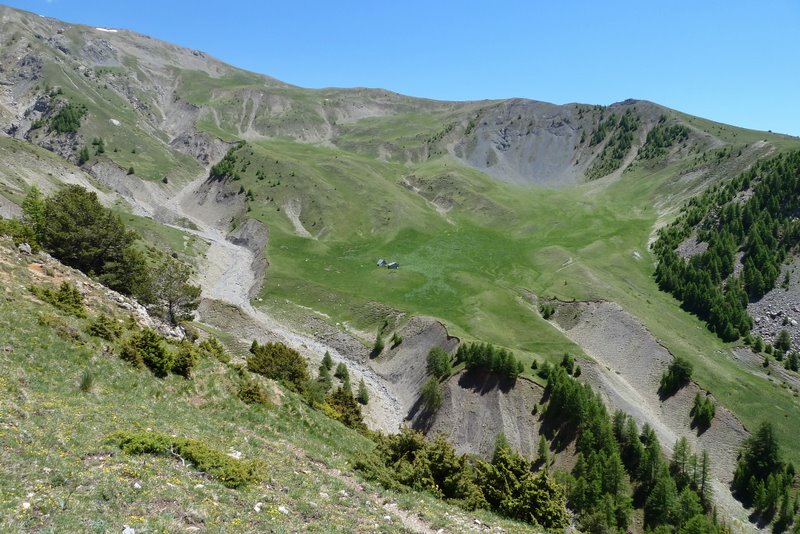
(66, 393)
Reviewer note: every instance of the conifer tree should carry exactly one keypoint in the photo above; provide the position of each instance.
(327, 361)
(33, 211)
(363, 394)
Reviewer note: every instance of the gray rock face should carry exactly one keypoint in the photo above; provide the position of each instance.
(779, 309)
(25, 248)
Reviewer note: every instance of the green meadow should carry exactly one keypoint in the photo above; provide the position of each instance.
(475, 266)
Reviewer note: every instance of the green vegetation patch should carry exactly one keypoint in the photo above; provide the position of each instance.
(614, 152)
(67, 298)
(68, 118)
(232, 472)
(661, 138)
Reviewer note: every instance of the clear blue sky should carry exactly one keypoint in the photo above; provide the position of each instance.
(733, 61)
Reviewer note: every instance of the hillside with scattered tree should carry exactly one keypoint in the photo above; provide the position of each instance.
(749, 225)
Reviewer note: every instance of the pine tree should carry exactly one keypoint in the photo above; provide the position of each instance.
(679, 465)
(543, 454)
(431, 395)
(33, 211)
(438, 363)
(784, 341)
(83, 156)
(327, 361)
(703, 487)
(661, 505)
(341, 372)
(324, 377)
(363, 394)
(377, 348)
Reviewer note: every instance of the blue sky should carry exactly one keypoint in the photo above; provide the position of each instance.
(735, 62)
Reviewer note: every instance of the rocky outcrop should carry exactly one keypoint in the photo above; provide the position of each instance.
(779, 309)
(404, 366)
(477, 406)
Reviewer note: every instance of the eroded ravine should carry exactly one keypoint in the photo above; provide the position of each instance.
(226, 275)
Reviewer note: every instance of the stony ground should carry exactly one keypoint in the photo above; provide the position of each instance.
(780, 308)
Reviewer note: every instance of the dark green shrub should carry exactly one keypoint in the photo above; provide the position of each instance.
(251, 392)
(215, 349)
(703, 412)
(347, 409)
(191, 333)
(547, 310)
(145, 348)
(67, 299)
(231, 472)
(514, 490)
(104, 327)
(60, 327)
(185, 360)
(438, 363)
(18, 231)
(675, 377)
(408, 460)
(279, 362)
(431, 395)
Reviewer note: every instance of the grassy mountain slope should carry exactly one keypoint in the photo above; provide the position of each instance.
(63, 473)
(489, 206)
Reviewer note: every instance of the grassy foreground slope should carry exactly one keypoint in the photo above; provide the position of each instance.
(63, 474)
